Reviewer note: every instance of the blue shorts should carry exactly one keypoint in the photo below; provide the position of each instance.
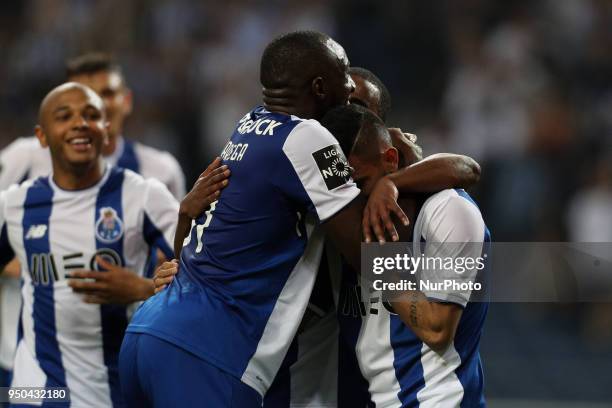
(155, 373)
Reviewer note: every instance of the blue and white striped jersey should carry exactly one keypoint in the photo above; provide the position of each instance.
(63, 341)
(248, 266)
(401, 370)
(26, 159)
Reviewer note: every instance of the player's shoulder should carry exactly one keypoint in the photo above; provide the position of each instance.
(157, 163)
(23, 148)
(449, 198)
(27, 143)
(131, 179)
(308, 134)
(311, 126)
(15, 194)
(146, 152)
(454, 208)
(138, 185)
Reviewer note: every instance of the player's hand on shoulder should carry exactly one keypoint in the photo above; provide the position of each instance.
(377, 213)
(206, 189)
(115, 285)
(164, 274)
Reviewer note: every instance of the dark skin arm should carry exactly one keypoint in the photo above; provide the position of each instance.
(164, 274)
(116, 285)
(434, 323)
(434, 173)
(344, 230)
(437, 172)
(11, 269)
(205, 191)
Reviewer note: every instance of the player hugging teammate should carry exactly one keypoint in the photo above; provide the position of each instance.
(256, 310)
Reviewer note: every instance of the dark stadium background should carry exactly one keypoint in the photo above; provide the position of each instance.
(525, 87)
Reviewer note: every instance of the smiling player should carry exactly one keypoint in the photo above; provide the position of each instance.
(85, 215)
(26, 159)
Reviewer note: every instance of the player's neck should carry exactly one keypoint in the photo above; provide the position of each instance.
(78, 177)
(291, 110)
(288, 102)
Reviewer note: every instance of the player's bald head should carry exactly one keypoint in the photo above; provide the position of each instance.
(54, 97)
(295, 58)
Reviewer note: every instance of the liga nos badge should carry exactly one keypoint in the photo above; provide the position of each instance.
(109, 227)
(333, 166)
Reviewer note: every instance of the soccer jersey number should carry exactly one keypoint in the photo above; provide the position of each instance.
(200, 228)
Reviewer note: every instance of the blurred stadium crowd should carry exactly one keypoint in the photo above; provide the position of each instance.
(524, 87)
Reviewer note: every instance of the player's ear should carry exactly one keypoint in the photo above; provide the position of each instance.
(40, 135)
(390, 159)
(318, 88)
(128, 101)
(105, 140)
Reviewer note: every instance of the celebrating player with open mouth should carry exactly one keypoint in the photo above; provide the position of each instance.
(86, 215)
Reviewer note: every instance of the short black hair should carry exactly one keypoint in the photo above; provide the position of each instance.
(385, 96)
(357, 129)
(91, 63)
(292, 57)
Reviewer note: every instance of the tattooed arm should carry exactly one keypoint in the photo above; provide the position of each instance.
(451, 227)
(434, 323)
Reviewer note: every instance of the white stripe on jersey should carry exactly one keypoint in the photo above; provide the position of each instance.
(286, 315)
(77, 324)
(34, 376)
(314, 376)
(442, 386)
(26, 157)
(375, 356)
(10, 299)
(71, 233)
(162, 166)
(327, 201)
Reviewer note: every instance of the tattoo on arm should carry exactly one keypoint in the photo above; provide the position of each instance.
(414, 320)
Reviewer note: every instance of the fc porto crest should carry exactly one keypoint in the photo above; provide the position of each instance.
(109, 228)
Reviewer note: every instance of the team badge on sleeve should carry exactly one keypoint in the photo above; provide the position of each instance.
(333, 166)
(109, 227)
